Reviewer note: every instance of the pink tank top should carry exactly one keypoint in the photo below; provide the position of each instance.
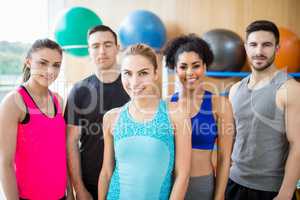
(40, 160)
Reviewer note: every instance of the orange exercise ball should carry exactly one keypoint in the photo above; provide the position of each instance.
(288, 55)
(246, 67)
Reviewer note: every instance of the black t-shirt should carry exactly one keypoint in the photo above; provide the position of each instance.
(88, 101)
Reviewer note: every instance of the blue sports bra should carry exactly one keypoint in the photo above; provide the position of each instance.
(204, 126)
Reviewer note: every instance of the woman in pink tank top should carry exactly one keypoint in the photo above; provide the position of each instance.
(33, 131)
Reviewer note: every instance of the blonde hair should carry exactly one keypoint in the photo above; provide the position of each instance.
(142, 50)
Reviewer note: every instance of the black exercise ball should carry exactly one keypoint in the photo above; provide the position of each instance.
(228, 49)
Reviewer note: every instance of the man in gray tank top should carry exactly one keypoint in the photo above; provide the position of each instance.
(266, 156)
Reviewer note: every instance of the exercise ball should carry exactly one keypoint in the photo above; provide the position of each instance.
(228, 49)
(142, 26)
(246, 67)
(71, 29)
(288, 55)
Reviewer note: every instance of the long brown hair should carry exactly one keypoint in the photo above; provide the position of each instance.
(38, 45)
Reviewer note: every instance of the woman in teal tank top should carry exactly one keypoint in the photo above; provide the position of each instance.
(147, 148)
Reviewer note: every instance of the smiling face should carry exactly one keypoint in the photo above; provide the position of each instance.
(261, 49)
(103, 49)
(190, 70)
(138, 76)
(44, 65)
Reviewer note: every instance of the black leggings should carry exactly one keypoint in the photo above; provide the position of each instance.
(93, 190)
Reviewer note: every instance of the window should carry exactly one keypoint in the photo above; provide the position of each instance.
(22, 22)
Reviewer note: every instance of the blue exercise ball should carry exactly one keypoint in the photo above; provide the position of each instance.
(228, 49)
(142, 26)
(72, 27)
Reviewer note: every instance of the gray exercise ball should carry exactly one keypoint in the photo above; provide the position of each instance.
(228, 49)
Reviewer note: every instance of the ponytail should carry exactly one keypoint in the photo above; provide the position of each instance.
(26, 73)
(37, 45)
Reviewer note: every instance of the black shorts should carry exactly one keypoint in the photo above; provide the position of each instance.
(235, 191)
(93, 190)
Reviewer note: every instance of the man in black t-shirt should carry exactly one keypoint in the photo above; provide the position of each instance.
(88, 101)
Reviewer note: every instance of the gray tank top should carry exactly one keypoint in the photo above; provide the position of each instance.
(261, 147)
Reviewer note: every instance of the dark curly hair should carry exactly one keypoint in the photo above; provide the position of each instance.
(187, 43)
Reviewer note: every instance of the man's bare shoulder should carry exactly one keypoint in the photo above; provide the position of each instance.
(289, 91)
(233, 89)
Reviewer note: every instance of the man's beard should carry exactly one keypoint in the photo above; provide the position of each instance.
(267, 65)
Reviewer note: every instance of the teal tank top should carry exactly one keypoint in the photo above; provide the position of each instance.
(144, 157)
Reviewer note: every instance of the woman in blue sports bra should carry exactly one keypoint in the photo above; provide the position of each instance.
(147, 141)
(210, 115)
